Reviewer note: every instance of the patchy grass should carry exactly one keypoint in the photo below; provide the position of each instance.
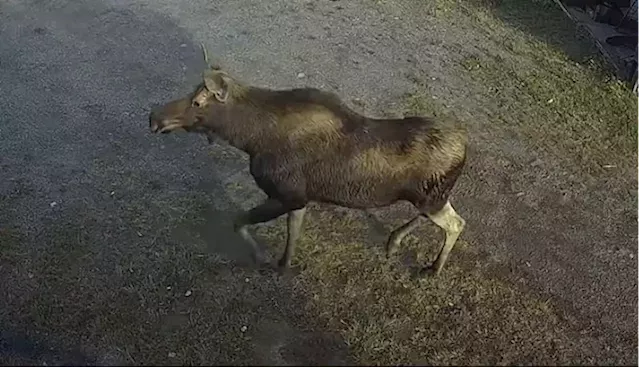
(91, 294)
(388, 317)
(539, 78)
(525, 65)
(162, 300)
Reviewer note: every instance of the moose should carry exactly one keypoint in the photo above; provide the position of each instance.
(306, 145)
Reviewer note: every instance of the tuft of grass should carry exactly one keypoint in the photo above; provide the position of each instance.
(388, 317)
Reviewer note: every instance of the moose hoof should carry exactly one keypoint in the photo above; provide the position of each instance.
(391, 248)
(284, 263)
(288, 271)
(429, 271)
(259, 258)
(389, 253)
(422, 272)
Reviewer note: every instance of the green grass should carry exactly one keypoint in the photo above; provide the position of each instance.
(542, 80)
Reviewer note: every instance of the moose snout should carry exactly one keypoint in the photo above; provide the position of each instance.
(154, 120)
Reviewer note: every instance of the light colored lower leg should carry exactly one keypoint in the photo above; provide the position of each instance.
(400, 233)
(452, 224)
(258, 254)
(294, 229)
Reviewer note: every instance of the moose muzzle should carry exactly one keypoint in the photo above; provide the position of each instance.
(155, 122)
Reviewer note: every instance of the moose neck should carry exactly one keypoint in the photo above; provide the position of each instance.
(244, 125)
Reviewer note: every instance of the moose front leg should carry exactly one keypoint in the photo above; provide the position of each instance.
(269, 210)
(294, 229)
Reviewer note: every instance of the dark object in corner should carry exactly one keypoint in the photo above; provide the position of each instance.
(623, 41)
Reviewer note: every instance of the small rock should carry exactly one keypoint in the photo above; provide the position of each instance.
(183, 45)
(243, 329)
(537, 163)
(609, 166)
(52, 204)
(187, 293)
(550, 100)
(139, 234)
(30, 275)
(112, 193)
(301, 75)
(172, 354)
(168, 287)
(520, 193)
(246, 280)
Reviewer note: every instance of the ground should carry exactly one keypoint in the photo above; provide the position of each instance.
(116, 245)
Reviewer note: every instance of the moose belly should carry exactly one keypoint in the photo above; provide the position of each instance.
(356, 193)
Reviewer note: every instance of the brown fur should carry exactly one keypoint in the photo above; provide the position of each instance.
(306, 145)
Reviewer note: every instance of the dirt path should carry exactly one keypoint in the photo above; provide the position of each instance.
(116, 245)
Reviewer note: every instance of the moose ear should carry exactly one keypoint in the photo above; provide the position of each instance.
(218, 85)
(207, 61)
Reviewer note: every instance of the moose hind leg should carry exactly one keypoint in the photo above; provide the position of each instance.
(452, 224)
(269, 210)
(400, 233)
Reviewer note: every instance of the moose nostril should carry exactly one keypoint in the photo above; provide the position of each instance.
(196, 104)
